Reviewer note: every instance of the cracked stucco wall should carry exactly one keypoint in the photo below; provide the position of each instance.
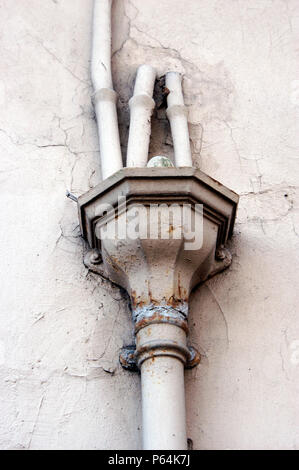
(61, 327)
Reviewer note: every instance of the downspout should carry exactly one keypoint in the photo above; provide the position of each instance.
(158, 274)
(104, 97)
(161, 346)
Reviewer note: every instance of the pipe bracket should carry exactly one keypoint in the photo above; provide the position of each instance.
(152, 314)
(127, 358)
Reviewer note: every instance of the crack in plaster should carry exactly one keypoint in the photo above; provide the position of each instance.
(221, 311)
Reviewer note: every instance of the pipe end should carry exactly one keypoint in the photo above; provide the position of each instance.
(159, 161)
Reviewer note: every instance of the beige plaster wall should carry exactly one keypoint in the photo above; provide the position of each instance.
(62, 327)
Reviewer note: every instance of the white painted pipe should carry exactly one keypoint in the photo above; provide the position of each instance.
(177, 114)
(141, 108)
(163, 404)
(161, 355)
(104, 96)
(101, 45)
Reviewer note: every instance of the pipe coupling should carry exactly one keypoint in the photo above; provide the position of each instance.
(104, 94)
(144, 101)
(177, 110)
(163, 339)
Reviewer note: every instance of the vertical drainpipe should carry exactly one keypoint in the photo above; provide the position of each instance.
(159, 277)
(104, 96)
(161, 347)
(162, 353)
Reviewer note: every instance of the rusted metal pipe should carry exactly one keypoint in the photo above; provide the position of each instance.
(159, 273)
(161, 355)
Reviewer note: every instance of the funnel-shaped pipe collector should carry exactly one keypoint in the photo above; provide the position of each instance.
(143, 245)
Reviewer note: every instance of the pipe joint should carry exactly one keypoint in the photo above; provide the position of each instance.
(177, 114)
(144, 101)
(161, 339)
(157, 348)
(177, 110)
(104, 94)
(132, 359)
(157, 314)
(141, 109)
